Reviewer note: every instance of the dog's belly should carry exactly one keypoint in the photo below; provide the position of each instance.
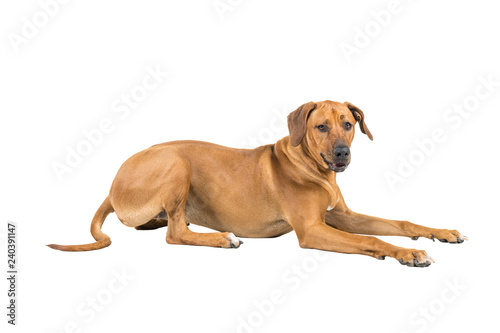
(241, 228)
(243, 221)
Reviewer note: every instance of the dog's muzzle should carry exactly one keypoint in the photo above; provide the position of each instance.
(341, 160)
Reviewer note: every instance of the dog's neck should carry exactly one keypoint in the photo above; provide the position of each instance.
(301, 159)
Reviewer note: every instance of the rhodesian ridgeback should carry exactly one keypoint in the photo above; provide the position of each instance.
(263, 192)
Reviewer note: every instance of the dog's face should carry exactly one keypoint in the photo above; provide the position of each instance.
(326, 130)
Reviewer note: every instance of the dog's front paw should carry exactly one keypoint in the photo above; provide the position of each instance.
(413, 258)
(231, 241)
(448, 236)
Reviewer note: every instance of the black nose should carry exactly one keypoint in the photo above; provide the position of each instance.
(341, 152)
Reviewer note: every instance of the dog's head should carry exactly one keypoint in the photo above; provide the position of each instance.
(326, 130)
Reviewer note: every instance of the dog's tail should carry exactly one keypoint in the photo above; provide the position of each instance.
(102, 240)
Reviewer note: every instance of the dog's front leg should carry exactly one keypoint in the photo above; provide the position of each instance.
(318, 235)
(350, 221)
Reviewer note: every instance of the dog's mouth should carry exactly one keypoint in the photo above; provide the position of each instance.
(337, 166)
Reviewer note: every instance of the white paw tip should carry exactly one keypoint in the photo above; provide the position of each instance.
(235, 240)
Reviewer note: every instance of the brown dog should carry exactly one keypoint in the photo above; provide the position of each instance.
(264, 192)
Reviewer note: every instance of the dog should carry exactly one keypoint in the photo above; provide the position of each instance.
(263, 192)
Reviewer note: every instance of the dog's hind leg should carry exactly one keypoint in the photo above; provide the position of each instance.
(174, 202)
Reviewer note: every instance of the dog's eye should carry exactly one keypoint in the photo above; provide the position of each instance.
(322, 128)
(347, 126)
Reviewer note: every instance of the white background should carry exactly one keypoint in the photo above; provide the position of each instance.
(228, 80)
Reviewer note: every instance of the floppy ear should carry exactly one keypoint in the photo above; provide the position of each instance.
(360, 117)
(297, 122)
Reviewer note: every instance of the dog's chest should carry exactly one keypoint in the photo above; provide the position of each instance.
(333, 201)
